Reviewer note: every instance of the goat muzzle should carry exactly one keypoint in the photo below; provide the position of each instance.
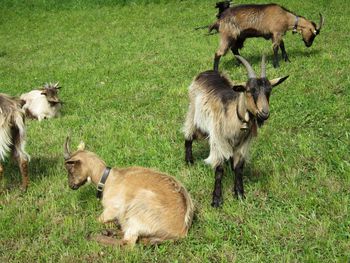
(263, 115)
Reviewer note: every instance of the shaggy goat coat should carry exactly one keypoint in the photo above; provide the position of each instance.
(12, 135)
(37, 105)
(211, 104)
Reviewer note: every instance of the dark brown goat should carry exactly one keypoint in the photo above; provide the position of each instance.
(269, 21)
(12, 135)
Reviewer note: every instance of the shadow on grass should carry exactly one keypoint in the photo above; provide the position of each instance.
(256, 58)
(251, 173)
(38, 169)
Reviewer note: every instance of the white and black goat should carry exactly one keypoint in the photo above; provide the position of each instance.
(42, 103)
(229, 115)
(270, 21)
(12, 135)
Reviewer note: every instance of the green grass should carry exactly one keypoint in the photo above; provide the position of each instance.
(125, 68)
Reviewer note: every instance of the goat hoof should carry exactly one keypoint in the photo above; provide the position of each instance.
(239, 195)
(276, 65)
(24, 188)
(107, 232)
(217, 202)
(189, 160)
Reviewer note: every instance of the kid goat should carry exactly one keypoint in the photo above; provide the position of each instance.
(270, 21)
(12, 135)
(42, 103)
(146, 203)
(229, 115)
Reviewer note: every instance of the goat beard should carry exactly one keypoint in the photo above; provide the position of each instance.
(88, 181)
(260, 122)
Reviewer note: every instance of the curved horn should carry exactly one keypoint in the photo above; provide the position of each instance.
(251, 73)
(66, 149)
(318, 28)
(263, 67)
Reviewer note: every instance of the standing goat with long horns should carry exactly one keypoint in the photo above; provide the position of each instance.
(219, 109)
(270, 21)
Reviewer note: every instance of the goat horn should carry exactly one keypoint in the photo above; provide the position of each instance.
(66, 149)
(263, 67)
(321, 23)
(251, 73)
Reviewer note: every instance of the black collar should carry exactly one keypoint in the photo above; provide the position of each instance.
(102, 182)
(295, 27)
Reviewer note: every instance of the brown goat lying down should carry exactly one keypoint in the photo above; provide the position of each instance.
(147, 204)
(12, 135)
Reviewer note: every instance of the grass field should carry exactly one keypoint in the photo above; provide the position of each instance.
(124, 69)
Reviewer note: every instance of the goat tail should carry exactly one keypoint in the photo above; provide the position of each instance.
(210, 28)
(213, 26)
(189, 207)
(201, 27)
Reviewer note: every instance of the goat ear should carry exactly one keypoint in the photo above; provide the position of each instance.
(72, 161)
(22, 102)
(240, 87)
(276, 82)
(81, 146)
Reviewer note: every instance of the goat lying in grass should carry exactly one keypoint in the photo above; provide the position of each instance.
(146, 203)
(12, 135)
(218, 109)
(42, 103)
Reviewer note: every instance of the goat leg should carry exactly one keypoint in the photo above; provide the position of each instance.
(235, 46)
(107, 216)
(217, 193)
(275, 56)
(284, 53)
(216, 62)
(23, 166)
(1, 172)
(235, 52)
(224, 45)
(238, 189)
(188, 151)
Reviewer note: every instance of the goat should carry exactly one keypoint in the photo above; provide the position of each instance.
(217, 109)
(12, 135)
(146, 203)
(270, 21)
(42, 103)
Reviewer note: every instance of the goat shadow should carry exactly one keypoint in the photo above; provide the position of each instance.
(38, 168)
(251, 173)
(256, 59)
